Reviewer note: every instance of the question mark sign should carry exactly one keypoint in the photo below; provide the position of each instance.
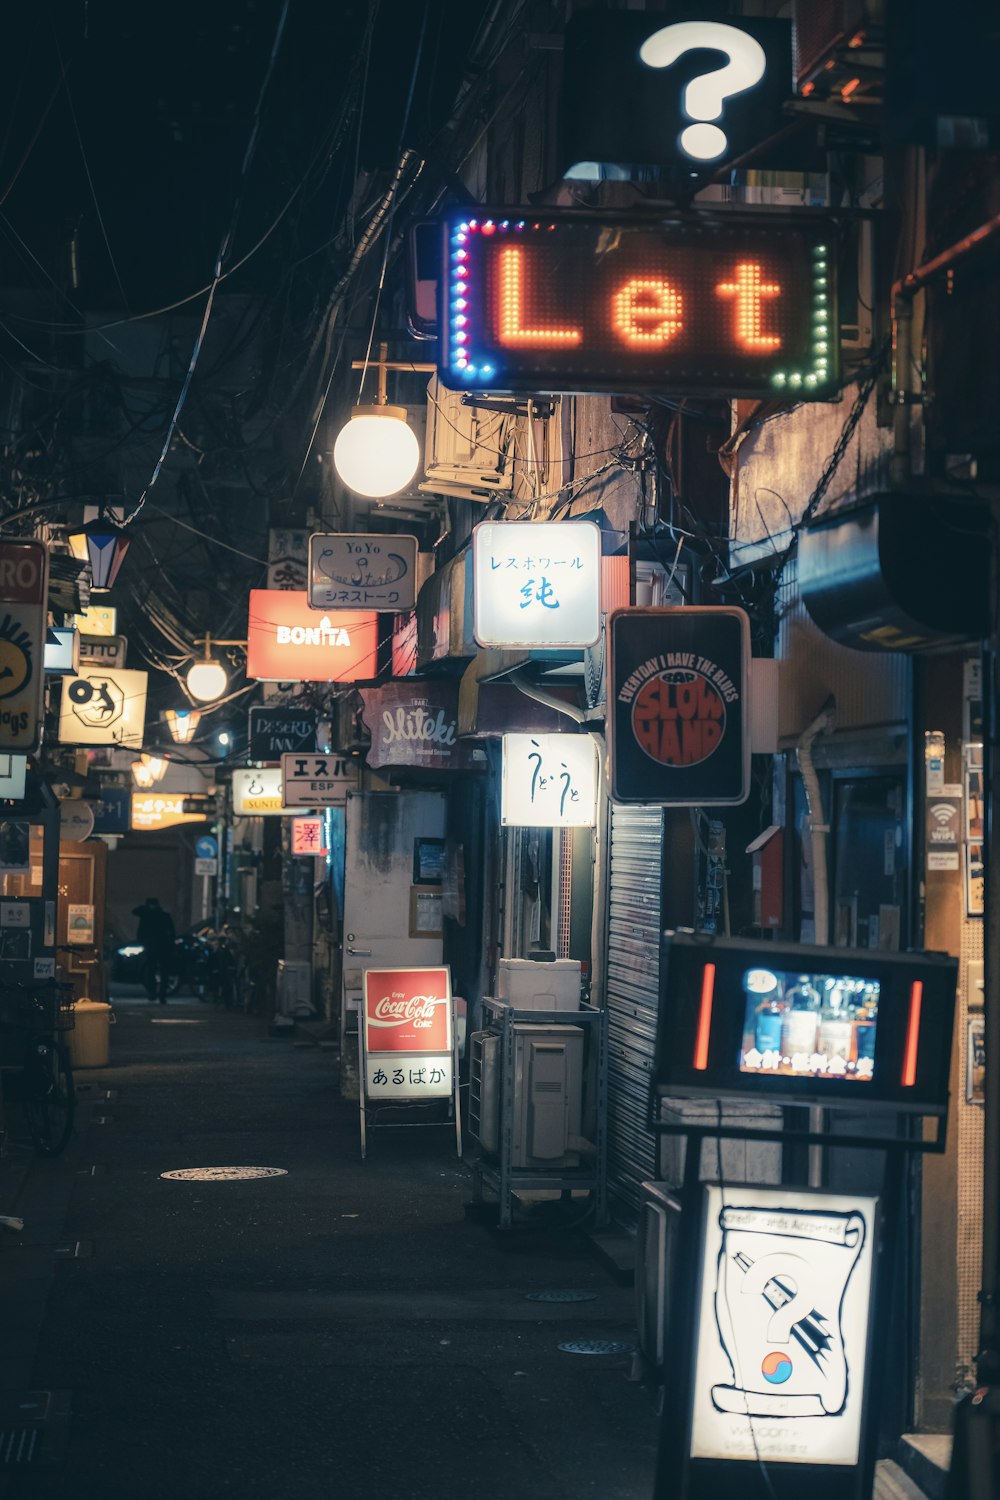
(804, 1277)
(704, 95)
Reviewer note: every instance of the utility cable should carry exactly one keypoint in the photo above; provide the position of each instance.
(223, 252)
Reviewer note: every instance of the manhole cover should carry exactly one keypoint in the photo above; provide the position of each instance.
(561, 1294)
(597, 1346)
(222, 1174)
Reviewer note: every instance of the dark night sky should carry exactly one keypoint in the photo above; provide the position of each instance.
(163, 97)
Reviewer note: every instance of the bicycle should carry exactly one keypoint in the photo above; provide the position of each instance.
(40, 1076)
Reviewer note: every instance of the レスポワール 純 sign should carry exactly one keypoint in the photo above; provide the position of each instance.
(289, 642)
(677, 712)
(24, 576)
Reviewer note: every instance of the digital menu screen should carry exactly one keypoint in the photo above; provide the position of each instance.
(809, 1025)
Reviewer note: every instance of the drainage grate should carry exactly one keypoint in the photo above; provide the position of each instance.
(597, 1346)
(33, 1428)
(561, 1295)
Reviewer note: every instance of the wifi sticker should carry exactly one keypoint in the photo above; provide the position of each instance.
(943, 830)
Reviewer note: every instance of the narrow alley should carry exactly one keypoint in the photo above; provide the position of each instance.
(331, 1331)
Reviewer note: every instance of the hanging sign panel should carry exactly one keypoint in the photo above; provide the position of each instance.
(103, 650)
(782, 1326)
(152, 811)
(678, 725)
(357, 571)
(258, 793)
(62, 650)
(274, 731)
(24, 581)
(548, 781)
(686, 103)
(536, 583)
(308, 837)
(289, 642)
(416, 724)
(101, 707)
(317, 780)
(700, 304)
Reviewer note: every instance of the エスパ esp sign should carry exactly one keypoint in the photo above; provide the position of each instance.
(24, 578)
(704, 304)
(678, 723)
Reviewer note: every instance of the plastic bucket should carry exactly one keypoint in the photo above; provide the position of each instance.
(90, 1039)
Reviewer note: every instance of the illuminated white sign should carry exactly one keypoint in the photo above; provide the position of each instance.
(317, 780)
(102, 707)
(257, 793)
(548, 781)
(537, 584)
(782, 1326)
(62, 649)
(360, 571)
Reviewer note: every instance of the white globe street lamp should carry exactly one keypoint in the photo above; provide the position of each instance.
(207, 680)
(377, 453)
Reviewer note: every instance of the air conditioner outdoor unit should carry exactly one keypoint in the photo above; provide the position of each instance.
(469, 450)
(547, 1095)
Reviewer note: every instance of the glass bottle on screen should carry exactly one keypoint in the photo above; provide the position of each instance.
(836, 1031)
(865, 1019)
(767, 1028)
(800, 1027)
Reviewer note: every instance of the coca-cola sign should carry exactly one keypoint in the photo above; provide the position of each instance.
(408, 1010)
(415, 724)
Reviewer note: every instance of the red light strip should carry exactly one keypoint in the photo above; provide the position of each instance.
(704, 1018)
(913, 1034)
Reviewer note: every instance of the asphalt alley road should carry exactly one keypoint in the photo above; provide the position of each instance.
(337, 1331)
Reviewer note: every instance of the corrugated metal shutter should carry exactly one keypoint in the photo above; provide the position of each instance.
(633, 966)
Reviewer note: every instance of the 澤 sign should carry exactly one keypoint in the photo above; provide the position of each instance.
(699, 91)
(678, 723)
(695, 304)
(274, 731)
(24, 578)
(408, 1045)
(782, 1326)
(548, 781)
(357, 571)
(257, 793)
(317, 780)
(101, 707)
(536, 583)
(289, 642)
(308, 837)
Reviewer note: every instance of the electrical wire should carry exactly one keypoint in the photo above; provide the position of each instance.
(220, 259)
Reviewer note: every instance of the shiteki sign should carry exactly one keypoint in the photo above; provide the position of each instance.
(677, 712)
(289, 642)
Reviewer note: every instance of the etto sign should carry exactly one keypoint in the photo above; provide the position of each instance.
(719, 304)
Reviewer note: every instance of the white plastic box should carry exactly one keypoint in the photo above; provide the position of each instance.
(527, 984)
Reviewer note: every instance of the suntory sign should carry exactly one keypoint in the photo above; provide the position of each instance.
(289, 642)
